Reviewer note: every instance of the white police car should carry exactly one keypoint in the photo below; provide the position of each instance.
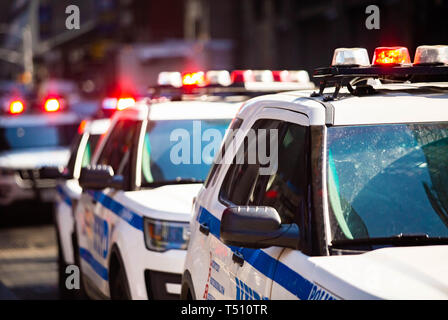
(31, 140)
(132, 218)
(69, 192)
(351, 201)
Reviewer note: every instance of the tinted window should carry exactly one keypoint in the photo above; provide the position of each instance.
(236, 124)
(117, 151)
(285, 189)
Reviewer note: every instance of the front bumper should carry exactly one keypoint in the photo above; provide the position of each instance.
(151, 274)
(162, 285)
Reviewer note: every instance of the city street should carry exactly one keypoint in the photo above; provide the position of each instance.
(28, 254)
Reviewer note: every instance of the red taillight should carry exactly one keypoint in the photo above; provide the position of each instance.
(391, 56)
(193, 79)
(16, 107)
(241, 76)
(52, 105)
(124, 103)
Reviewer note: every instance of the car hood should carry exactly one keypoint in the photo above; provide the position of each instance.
(34, 158)
(171, 202)
(389, 273)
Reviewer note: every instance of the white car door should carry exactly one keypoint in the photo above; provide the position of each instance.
(243, 273)
(98, 218)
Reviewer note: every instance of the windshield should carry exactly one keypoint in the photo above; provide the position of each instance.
(23, 137)
(178, 150)
(385, 180)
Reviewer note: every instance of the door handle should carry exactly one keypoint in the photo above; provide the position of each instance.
(204, 228)
(238, 257)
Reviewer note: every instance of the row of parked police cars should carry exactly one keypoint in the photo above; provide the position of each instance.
(254, 185)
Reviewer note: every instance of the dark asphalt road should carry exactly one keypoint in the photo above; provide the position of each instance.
(28, 253)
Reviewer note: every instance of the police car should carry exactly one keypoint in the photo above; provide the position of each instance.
(69, 192)
(32, 135)
(350, 202)
(133, 216)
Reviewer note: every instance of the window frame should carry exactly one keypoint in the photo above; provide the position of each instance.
(130, 181)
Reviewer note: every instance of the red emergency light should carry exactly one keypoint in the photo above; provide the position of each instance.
(52, 105)
(125, 102)
(389, 56)
(16, 107)
(193, 79)
(241, 76)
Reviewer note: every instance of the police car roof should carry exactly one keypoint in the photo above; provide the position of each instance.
(96, 126)
(178, 110)
(393, 103)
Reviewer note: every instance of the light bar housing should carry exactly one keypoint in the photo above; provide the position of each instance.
(350, 57)
(218, 77)
(167, 78)
(431, 55)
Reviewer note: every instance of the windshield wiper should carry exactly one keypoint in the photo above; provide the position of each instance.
(171, 182)
(397, 240)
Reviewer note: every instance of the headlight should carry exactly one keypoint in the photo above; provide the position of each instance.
(165, 235)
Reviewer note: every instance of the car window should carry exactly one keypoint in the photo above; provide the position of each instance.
(118, 148)
(235, 125)
(74, 152)
(88, 150)
(180, 150)
(241, 175)
(286, 188)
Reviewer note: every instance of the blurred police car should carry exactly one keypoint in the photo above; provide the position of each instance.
(33, 133)
(357, 205)
(69, 192)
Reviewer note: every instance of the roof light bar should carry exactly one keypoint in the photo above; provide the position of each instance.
(170, 79)
(426, 55)
(241, 76)
(280, 75)
(193, 79)
(300, 76)
(350, 57)
(109, 103)
(263, 75)
(218, 77)
(390, 56)
(124, 103)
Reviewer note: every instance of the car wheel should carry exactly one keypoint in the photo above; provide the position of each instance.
(64, 293)
(118, 284)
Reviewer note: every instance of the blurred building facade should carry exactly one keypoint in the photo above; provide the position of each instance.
(261, 34)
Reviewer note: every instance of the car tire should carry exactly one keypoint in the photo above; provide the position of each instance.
(64, 293)
(118, 283)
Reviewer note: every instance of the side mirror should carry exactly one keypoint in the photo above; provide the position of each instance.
(257, 227)
(100, 177)
(53, 173)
